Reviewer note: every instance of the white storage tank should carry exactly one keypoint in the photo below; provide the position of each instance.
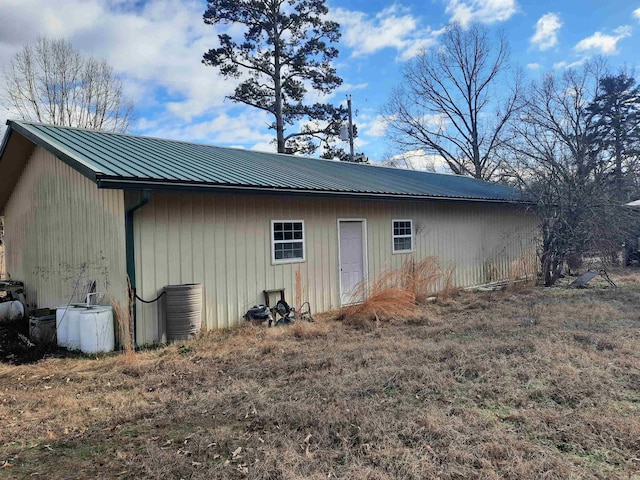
(74, 318)
(62, 323)
(96, 330)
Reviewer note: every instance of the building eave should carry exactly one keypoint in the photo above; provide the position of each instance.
(121, 183)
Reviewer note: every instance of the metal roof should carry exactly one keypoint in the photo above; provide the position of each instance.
(115, 160)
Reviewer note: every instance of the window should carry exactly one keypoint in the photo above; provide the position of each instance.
(287, 238)
(402, 236)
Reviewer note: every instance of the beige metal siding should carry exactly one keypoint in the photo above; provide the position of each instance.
(61, 230)
(224, 242)
(2, 264)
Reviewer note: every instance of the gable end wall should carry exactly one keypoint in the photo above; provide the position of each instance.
(61, 230)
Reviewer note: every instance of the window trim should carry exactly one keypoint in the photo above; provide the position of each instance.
(394, 236)
(274, 241)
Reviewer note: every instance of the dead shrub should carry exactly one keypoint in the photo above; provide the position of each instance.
(124, 322)
(449, 289)
(421, 278)
(398, 292)
(381, 305)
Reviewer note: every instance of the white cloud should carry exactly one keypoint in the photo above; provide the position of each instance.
(264, 147)
(419, 160)
(224, 129)
(636, 13)
(546, 35)
(603, 43)
(393, 27)
(376, 127)
(155, 46)
(564, 64)
(482, 11)
(533, 66)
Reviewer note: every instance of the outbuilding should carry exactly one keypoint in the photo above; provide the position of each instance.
(83, 205)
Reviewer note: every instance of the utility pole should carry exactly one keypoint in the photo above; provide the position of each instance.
(350, 129)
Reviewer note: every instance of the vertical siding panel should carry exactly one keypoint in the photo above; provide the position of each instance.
(248, 253)
(323, 296)
(162, 254)
(197, 244)
(186, 234)
(230, 249)
(221, 282)
(173, 239)
(215, 249)
(145, 284)
(242, 244)
(262, 260)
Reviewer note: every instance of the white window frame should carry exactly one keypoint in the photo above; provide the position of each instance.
(394, 236)
(274, 241)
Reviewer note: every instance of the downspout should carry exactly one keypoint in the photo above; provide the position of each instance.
(131, 255)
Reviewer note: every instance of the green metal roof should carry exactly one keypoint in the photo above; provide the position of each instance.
(116, 160)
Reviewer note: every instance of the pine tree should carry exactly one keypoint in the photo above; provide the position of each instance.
(616, 127)
(286, 50)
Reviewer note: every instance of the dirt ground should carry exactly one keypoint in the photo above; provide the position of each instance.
(527, 383)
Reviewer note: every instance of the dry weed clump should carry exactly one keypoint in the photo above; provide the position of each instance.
(381, 305)
(124, 322)
(398, 292)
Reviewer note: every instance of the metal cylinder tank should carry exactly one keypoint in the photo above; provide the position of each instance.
(183, 310)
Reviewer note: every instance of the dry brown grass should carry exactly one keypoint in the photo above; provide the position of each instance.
(524, 385)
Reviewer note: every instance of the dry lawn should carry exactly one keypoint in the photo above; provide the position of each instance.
(527, 383)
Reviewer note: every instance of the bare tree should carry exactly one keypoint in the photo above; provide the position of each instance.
(456, 100)
(50, 82)
(558, 163)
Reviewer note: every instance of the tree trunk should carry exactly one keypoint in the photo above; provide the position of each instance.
(278, 113)
(618, 173)
(277, 86)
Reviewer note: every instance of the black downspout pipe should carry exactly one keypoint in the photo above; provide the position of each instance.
(131, 255)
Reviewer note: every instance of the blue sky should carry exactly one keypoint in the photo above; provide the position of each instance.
(156, 46)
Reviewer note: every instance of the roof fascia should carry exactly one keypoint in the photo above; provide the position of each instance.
(5, 140)
(121, 183)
